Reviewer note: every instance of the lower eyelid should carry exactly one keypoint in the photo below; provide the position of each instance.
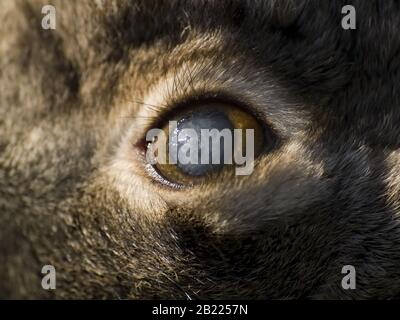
(152, 172)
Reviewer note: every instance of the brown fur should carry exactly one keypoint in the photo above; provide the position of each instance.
(74, 193)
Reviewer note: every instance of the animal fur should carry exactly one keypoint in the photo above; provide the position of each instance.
(73, 192)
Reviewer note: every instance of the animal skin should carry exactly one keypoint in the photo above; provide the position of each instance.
(74, 192)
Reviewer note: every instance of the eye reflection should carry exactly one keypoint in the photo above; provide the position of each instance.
(183, 142)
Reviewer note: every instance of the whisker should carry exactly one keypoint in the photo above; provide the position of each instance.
(136, 117)
(156, 107)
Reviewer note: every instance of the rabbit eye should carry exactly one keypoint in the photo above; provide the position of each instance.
(200, 141)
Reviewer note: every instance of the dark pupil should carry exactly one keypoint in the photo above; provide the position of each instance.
(197, 121)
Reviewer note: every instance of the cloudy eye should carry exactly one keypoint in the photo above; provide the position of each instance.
(201, 162)
(198, 142)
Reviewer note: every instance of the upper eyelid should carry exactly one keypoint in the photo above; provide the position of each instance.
(173, 93)
(268, 101)
(196, 99)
